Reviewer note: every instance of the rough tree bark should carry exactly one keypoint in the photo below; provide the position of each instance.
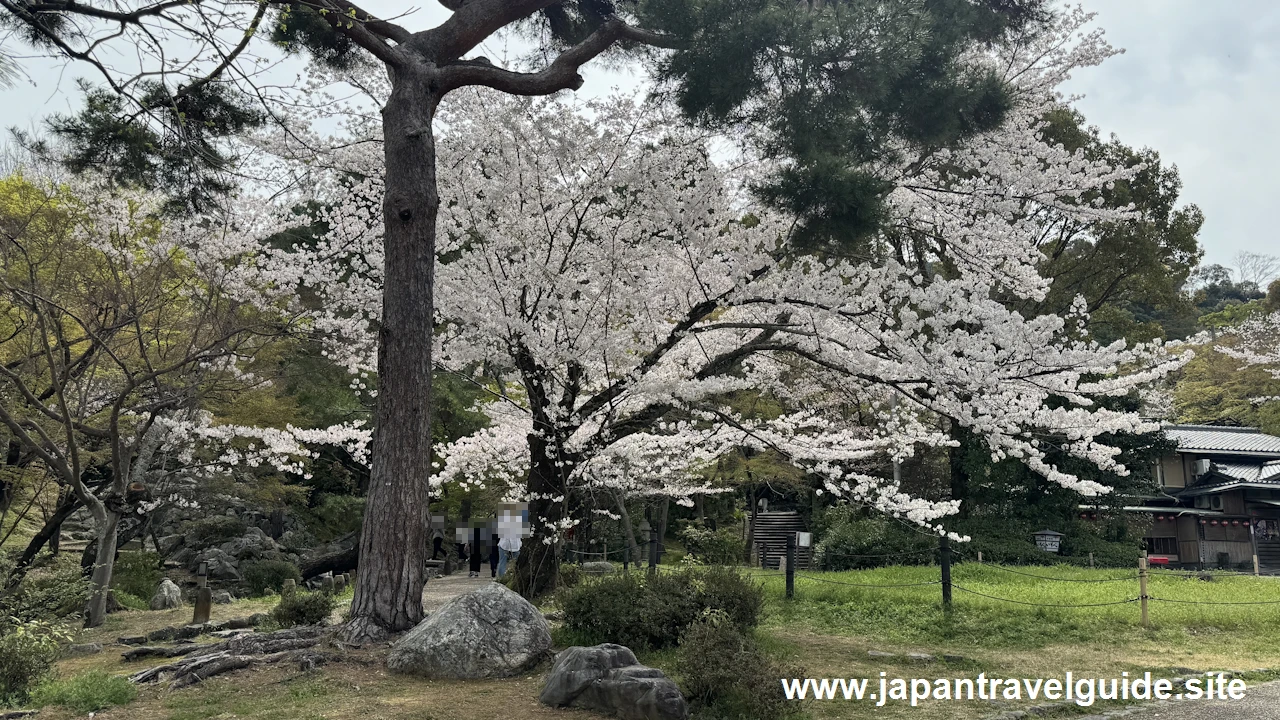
(537, 565)
(393, 540)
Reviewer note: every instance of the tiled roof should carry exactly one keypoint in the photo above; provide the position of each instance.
(1211, 438)
(1250, 472)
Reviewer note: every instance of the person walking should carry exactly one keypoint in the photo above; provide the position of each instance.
(474, 554)
(509, 546)
(494, 560)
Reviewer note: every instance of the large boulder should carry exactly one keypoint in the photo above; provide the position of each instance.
(490, 632)
(221, 566)
(253, 545)
(168, 596)
(597, 567)
(608, 678)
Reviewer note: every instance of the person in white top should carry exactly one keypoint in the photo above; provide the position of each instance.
(508, 551)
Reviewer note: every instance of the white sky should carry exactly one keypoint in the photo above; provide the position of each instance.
(1199, 82)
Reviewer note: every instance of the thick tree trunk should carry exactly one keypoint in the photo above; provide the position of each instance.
(393, 540)
(103, 564)
(628, 532)
(538, 565)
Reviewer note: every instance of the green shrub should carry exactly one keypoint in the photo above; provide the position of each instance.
(726, 676)
(215, 530)
(303, 608)
(131, 602)
(85, 693)
(265, 575)
(570, 574)
(849, 541)
(53, 589)
(136, 573)
(27, 653)
(714, 547)
(651, 611)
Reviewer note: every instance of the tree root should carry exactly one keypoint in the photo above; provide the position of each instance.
(205, 661)
(361, 631)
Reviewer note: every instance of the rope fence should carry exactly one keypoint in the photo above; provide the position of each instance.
(945, 555)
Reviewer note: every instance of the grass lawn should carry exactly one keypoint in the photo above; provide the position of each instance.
(827, 630)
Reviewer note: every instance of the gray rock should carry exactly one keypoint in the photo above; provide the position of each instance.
(82, 649)
(920, 657)
(167, 596)
(490, 632)
(221, 565)
(132, 640)
(254, 545)
(223, 597)
(607, 678)
(597, 567)
(880, 654)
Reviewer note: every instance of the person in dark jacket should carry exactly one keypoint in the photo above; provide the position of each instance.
(493, 557)
(474, 554)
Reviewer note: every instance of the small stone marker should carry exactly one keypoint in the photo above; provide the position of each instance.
(326, 583)
(339, 583)
(204, 597)
(289, 587)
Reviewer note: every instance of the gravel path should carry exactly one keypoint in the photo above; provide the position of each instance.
(1261, 702)
(440, 590)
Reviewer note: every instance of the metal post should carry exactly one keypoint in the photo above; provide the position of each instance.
(653, 550)
(1255, 564)
(944, 548)
(791, 565)
(1142, 587)
(979, 557)
(1090, 561)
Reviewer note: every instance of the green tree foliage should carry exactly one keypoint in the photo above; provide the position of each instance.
(1131, 273)
(1216, 388)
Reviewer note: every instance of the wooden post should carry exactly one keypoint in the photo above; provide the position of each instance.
(1142, 587)
(1255, 564)
(204, 597)
(1090, 561)
(944, 548)
(979, 557)
(791, 565)
(653, 550)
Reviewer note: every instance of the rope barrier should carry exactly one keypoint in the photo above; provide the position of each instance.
(910, 553)
(1211, 602)
(595, 553)
(1127, 578)
(868, 585)
(1023, 602)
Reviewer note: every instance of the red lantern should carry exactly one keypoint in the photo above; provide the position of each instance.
(1204, 522)
(1236, 523)
(1084, 516)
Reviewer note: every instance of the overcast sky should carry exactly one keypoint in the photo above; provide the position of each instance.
(1199, 82)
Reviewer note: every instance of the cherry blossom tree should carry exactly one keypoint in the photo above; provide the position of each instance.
(1256, 343)
(116, 327)
(831, 82)
(610, 285)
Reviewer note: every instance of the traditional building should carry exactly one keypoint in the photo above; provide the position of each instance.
(1219, 502)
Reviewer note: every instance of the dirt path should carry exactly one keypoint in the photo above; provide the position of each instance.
(440, 590)
(1261, 702)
